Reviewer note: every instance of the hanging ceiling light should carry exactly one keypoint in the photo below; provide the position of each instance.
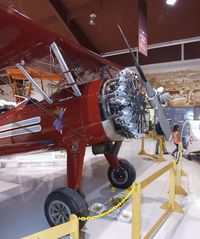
(170, 2)
(92, 19)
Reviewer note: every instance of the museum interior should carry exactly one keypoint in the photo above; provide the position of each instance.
(99, 119)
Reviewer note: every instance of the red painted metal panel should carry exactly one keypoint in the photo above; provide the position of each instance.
(81, 120)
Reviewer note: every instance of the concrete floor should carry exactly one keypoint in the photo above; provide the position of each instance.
(24, 185)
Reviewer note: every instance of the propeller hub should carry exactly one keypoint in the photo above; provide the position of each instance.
(164, 97)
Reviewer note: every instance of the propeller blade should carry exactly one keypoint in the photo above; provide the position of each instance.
(153, 97)
(150, 91)
(164, 122)
(143, 77)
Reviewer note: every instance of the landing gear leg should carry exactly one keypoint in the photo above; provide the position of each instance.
(63, 202)
(121, 173)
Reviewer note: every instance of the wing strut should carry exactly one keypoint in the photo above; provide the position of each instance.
(67, 74)
(26, 74)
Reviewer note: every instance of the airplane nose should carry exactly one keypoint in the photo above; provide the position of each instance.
(125, 104)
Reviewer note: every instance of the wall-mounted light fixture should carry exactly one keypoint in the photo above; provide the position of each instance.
(170, 2)
(92, 19)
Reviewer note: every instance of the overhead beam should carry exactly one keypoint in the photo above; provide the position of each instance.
(153, 46)
(72, 25)
(92, 6)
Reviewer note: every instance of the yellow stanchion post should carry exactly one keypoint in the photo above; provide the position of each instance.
(136, 211)
(183, 173)
(160, 158)
(178, 188)
(170, 206)
(75, 233)
(142, 151)
(172, 184)
(71, 227)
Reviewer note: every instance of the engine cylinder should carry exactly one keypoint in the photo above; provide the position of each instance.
(124, 104)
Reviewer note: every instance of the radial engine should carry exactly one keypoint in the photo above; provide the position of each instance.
(124, 105)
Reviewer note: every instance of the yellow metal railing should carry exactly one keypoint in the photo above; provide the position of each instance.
(175, 168)
(71, 227)
(159, 158)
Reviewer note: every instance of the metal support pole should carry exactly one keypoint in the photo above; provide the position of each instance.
(65, 69)
(182, 52)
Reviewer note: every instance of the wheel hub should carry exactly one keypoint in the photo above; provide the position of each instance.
(120, 176)
(59, 212)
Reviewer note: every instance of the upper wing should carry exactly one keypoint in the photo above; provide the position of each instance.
(25, 40)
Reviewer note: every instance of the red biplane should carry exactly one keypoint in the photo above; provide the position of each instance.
(96, 103)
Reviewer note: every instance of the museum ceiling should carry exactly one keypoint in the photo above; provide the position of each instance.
(71, 18)
(165, 24)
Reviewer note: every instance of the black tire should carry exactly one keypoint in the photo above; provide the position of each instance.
(124, 177)
(63, 202)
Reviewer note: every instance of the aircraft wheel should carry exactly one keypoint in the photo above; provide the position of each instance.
(124, 177)
(63, 202)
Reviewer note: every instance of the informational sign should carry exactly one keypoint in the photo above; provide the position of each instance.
(142, 42)
(142, 27)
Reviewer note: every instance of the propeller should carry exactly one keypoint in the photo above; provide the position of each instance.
(155, 100)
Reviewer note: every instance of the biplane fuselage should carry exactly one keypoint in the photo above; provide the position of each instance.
(34, 125)
(31, 126)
